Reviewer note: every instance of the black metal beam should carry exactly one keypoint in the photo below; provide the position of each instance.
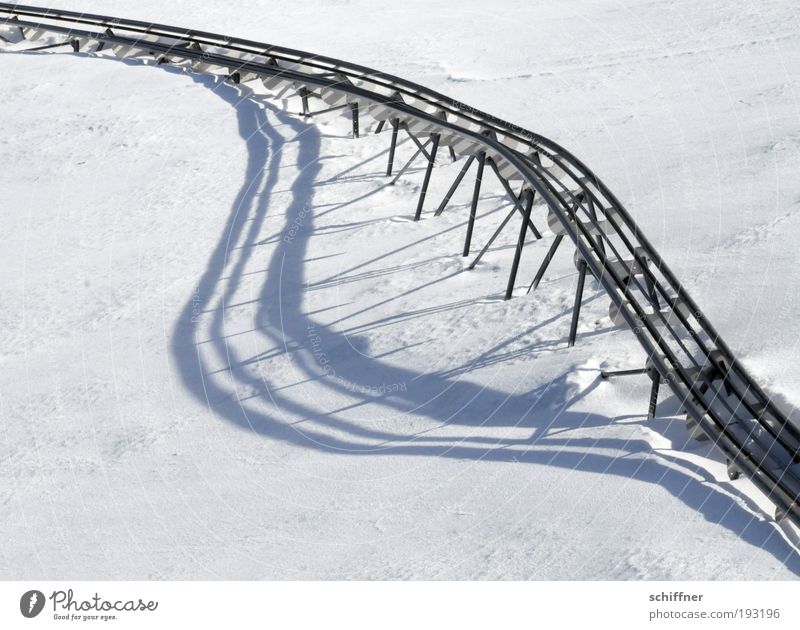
(476, 193)
(523, 229)
(328, 109)
(543, 267)
(303, 92)
(354, 110)
(576, 309)
(632, 372)
(392, 146)
(47, 47)
(653, 402)
(428, 171)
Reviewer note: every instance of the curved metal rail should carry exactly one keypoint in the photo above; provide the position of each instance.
(682, 346)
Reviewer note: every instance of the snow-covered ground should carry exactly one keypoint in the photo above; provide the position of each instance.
(227, 352)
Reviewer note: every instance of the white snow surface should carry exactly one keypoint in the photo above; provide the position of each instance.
(226, 351)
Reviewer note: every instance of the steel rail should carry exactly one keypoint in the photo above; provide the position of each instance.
(699, 367)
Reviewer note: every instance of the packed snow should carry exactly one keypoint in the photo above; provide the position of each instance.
(227, 352)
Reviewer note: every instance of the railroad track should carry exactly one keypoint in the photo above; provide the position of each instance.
(722, 401)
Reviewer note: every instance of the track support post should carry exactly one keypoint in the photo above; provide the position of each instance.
(546, 262)
(576, 309)
(354, 111)
(304, 100)
(476, 193)
(428, 171)
(652, 404)
(392, 145)
(512, 277)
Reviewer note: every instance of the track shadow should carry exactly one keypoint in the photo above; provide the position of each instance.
(544, 413)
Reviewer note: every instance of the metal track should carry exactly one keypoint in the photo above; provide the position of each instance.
(682, 346)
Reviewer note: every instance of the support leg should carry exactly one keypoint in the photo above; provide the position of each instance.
(379, 128)
(452, 154)
(392, 146)
(304, 99)
(512, 277)
(428, 171)
(455, 185)
(475, 195)
(543, 267)
(354, 110)
(651, 406)
(576, 309)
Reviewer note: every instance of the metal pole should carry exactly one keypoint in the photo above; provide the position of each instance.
(455, 185)
(304, 98)
(475, 195)
(354, 109)
(392, 146)
(576, 309)
(623, 372)
(512, 277)
(428, 171)
(379, 128)
(543, 267)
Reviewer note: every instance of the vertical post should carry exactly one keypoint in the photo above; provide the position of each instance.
(512, 277)
(76, 45)
(651, 406)
(543, 267)
(354, 110)
(379, 128)
(474, 207)
(304, 100)
(576, 309)
(393, 145)
(452, 153)
(426, 181)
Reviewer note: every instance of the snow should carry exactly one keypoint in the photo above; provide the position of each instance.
(227, 352)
